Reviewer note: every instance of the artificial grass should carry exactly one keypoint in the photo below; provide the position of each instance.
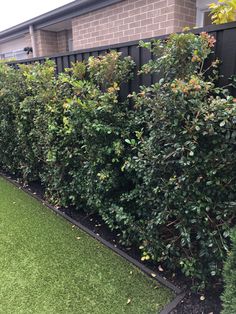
(49, 266)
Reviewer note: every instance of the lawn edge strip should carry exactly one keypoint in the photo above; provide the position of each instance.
(173, 304)
(180, 294)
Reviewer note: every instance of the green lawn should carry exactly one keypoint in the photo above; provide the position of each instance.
(47, 266)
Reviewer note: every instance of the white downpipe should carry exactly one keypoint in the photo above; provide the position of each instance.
(33, 41)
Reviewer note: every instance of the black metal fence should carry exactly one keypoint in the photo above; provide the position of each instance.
(225, 50)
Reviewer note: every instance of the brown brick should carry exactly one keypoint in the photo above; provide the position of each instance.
(147, 22)
(161, 4)
(135, 24)
(129, 6)
(131, 20)
(123, 15)
(129, 32)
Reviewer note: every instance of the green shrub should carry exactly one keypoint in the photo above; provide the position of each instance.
(25, 94)
(12, 92)
(85, 131)
(159, 167)
(229, 296)
(183, 161)
(31, 117)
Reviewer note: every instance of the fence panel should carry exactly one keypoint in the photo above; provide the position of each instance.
(225, 50)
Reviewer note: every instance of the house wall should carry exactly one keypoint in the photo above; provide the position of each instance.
(62, 41)
(49, 43)
(46, 43)
(132, 20)
(122, 22)
(16, 44)
(184, 14)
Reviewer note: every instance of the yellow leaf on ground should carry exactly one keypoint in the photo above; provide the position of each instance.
(128, 301)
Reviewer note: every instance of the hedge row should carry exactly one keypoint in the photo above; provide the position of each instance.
(159, 167)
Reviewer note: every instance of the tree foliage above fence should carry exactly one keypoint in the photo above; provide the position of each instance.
(158, 165)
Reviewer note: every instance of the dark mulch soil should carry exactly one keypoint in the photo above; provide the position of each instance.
(193, 303)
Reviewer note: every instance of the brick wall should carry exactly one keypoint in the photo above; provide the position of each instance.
(49, 43)
(17, 44)
(46, 43)
(132, 20)
(122, 22)
(185, 14)
(62, 41)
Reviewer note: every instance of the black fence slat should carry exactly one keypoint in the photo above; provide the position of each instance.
(219, 46)
(94, 54)
(86, 56)
(125, 87)
(79, 57)
(72, 59)
(59, 64)
(124, 51)
(225, 50)
(134, 52)
(102, 52)
(66, 63)
(145, 56)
